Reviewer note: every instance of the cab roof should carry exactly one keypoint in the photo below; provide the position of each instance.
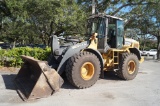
(105, 16)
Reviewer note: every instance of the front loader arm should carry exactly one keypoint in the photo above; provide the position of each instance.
(70, 52)
(90, 46)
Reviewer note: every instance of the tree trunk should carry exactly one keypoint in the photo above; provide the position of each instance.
(1, 21)
(158, 47)
(14, 43)
(144, 43)
(43, 39)
(49, 42)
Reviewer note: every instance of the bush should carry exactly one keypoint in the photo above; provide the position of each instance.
(12, 57)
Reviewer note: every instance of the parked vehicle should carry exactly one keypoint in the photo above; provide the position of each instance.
(40, 46)
(141, 52)
(151, 52)
(5, 46)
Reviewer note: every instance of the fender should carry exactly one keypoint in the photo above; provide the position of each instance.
(136, 52)
(98, 54)
(70, 52)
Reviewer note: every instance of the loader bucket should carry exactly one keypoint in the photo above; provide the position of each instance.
(36, 79)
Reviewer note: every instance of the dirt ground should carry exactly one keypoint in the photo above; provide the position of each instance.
(144, 90)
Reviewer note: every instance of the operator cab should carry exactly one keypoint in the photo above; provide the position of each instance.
(110, 31)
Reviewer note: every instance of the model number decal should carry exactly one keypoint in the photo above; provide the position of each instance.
(76, 46)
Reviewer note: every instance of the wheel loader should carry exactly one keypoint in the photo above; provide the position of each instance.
(82, 61)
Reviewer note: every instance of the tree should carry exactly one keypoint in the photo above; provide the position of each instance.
(55, 17)
(43, 18)
(4, 11)
(14, 23)
(155, 27)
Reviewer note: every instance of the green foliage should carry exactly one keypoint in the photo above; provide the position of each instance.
(33, 21)
(36, 20)
(148, 44)
(12, 57)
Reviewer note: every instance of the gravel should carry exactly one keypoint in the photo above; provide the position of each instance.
(144, 90)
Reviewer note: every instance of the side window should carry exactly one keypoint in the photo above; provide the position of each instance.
(120, 28)
(101, 29)
(111, 27)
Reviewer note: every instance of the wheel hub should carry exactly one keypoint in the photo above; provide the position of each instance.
(131, 67)
(87, 70)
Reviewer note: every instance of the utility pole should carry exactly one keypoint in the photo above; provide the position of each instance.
(93, 7)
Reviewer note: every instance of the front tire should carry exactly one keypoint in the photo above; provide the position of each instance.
(128, 66)
(83, 69)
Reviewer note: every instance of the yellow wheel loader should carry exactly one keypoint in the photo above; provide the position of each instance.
(82, 61)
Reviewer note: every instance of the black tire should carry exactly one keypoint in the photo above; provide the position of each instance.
(74, 69)
(128, 66)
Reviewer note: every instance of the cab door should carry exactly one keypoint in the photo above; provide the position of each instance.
(120, 32)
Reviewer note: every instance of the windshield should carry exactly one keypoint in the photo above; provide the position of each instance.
(96, 25)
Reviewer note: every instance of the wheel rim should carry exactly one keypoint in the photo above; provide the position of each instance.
(87, 70)
(131, 67)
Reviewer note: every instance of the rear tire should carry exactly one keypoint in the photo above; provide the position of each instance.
(83, 69)
(128, 66)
